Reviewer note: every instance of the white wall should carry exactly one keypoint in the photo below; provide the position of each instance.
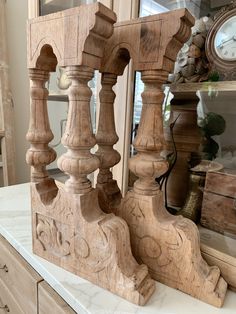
(16, 14)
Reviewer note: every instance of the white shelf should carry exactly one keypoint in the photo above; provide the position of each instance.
(221, 86)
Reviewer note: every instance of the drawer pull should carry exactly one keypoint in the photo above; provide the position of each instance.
(5, 308)
(4, 267)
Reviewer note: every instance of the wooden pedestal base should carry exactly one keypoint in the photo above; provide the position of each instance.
(169, 246)
(72, 232)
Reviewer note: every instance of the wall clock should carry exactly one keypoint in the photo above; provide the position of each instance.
(221, 43)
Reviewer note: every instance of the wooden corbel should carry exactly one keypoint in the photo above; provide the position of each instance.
(69, 228)
(168, 244)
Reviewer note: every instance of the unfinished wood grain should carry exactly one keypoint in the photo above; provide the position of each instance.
(39, 133)
(109, 193)
(169, 245)
(7, 137)
(92, 26)
(48, 299)
(151, 46)
(78, 162)
(149, 41)
(91, 244)
(19, 278)
(69, 228)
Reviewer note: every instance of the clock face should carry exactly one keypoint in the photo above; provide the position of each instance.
(225, 40)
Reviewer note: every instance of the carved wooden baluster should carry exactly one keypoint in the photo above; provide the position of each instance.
(39, 134)
(148, 164)
(109, 193)
(167, 244)
(78, 162)
(68, 226)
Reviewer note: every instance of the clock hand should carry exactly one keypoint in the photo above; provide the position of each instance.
(224, 42)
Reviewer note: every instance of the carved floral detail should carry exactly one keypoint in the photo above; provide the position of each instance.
(51, 238)
(169, 245)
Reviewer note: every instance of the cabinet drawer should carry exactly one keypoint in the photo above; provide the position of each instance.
(19, 278)
(7, 299)
(48, 299)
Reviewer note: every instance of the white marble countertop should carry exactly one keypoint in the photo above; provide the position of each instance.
(81, 295)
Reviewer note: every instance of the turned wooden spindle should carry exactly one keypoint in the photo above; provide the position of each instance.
(109, 193)
(147, 164)
(39, 134)
(78, 138)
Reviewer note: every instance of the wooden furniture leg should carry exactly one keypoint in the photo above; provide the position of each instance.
(169, 245)
(109, 193)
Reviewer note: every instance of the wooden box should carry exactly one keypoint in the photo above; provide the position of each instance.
(219, 203)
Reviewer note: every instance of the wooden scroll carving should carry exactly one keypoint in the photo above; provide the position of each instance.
(69, 228)
(168, 244)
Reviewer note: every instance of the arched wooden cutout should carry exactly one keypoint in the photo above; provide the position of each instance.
(47, 60)
(69, 228)
(92, 25)
(169, 245)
